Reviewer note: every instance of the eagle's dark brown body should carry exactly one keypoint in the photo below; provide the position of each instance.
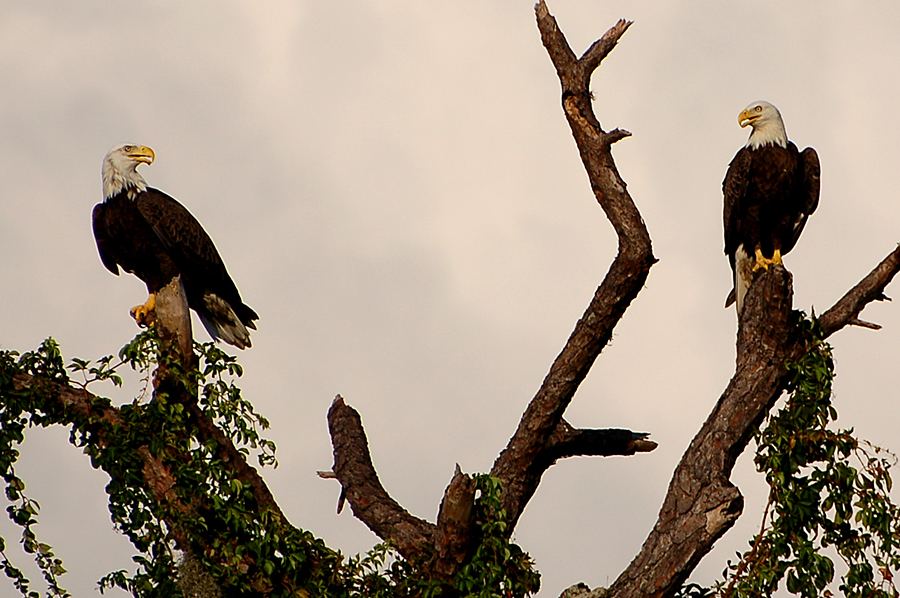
(152, 236)
(769, 194)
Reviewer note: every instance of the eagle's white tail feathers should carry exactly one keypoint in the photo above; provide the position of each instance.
(222, 323)
(743, 275)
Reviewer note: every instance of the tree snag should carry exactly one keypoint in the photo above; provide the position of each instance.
(543, 436)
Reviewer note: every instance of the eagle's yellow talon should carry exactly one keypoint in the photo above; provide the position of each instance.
(145, 314)
(760, 262)
(776, 258)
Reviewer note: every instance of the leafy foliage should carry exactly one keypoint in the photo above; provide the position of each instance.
(16, 415)
(206, 518)
(827, 490)
(498, 568)
(693, 590)
(253, 550)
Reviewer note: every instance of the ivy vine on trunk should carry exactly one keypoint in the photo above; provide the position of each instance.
(827, 489)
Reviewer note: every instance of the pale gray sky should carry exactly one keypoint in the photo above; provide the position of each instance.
(395, 190)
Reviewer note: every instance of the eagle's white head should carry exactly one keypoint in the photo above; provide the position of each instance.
(767, 125)
(120, 169)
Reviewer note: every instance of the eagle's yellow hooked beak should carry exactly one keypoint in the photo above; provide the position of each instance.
(141, 153)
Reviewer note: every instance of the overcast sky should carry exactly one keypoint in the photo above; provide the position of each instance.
(395, 191)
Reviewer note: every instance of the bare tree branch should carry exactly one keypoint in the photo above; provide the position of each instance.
(515, 467)
(863, 324)
(701, 503)
(542, 436)
(869, 289)
(369, 500)
(571, 442)
(601, 48)
(173, 318)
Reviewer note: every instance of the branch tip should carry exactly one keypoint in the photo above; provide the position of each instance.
(642, 445)
(617, 135)
(863, 324)
(619, 28)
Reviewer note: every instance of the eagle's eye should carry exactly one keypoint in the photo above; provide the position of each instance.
(759, 108)
(128, 148)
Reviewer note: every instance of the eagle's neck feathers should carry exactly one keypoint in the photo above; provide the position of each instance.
(116, 180)
(769, 132)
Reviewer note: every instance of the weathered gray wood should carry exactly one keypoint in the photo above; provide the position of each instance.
(173, 320)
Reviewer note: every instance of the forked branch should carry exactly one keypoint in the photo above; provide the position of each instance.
(519, 465)
(542, 436)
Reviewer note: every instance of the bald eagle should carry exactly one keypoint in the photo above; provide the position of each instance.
(152, 236)
(770, 191)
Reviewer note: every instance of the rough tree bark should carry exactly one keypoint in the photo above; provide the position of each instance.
(701, 503)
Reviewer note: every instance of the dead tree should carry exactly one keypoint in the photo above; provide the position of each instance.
(701, 503)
